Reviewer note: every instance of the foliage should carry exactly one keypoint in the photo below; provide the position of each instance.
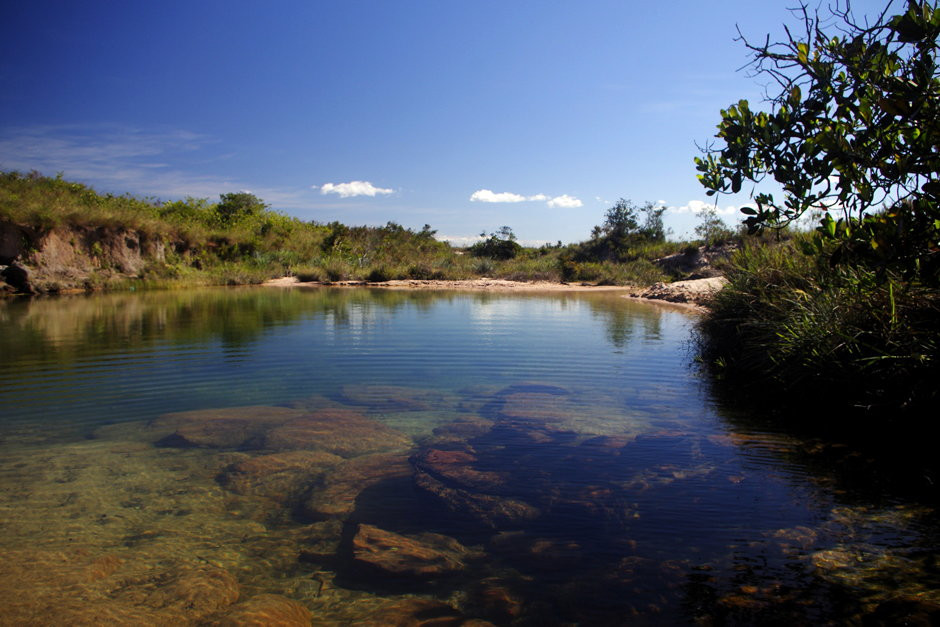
(236, 207)
(240, 240)
(626, 228)
(711, 229)
(790, 326)
(637, 272)
(501, 244)
(854, 129)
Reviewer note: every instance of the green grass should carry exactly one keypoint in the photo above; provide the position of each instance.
(791, 331)
(207, 245)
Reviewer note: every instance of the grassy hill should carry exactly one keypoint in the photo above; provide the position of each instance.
(59, 235)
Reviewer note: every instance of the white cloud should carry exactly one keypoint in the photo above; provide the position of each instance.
(698, 206)
(459, 240)
(485, 195)
(565, 201)
(352, 189)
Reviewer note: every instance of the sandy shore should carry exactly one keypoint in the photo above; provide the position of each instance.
(688, 293)
(494, 285)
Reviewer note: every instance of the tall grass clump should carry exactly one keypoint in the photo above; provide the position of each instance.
(791, 330)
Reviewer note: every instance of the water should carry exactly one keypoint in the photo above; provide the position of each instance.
(380, 457)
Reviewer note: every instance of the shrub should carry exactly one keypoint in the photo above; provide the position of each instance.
(796, 330)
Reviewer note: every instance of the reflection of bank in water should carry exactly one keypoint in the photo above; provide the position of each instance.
(599, 491)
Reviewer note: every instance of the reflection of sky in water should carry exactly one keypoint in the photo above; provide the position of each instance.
(685, 488)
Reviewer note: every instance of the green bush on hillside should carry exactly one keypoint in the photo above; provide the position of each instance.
(847, 317)
(789, 328)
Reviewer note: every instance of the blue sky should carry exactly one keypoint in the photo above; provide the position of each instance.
(463, 115)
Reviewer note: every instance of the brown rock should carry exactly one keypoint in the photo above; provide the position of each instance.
(491, 510)
(426, 555)
(279, 476)
(418, 613)
(540, 407)
(456, 469)
(541, 553)
(912, 611)
(198, 591)
(337, 496)
(266, 610)
(498, 601)
(78, 587)
(391, 397)
(460, 430)
(339, 431)
(606, 444)
(314, 402)
(231, 427)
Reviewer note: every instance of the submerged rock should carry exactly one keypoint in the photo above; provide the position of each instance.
(336, 497)
(391, 397)
(536, 552)
(79, 587)
(342, 432)
(229, 427)
(201, 591)
(427, 555)
(456, 468)
(497, 599)
(460, 430)
(491, 510)
(537, 407)
(279, 476)
(419, 613)
(266, 610)
(454, 478)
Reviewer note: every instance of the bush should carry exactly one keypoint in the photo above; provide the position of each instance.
(793, 330)
(379, 275)
(501, 244)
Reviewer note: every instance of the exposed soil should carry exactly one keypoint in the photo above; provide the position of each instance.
(696, 292)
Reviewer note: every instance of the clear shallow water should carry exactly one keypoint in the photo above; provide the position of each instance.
(391, 456)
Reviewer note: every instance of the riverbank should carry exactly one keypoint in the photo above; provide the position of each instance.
(692, 293)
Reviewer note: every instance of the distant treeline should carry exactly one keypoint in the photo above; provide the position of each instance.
(239, 239)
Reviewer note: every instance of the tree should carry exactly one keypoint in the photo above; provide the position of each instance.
(500, 244)
(711, 229)
(235, 207)
(621, 220)
(853, 130)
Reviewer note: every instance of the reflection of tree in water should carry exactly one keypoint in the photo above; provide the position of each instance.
(54, 327)
(623, 319)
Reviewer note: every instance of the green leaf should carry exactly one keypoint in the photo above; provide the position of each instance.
(749, 211)
(802, 52)
(931, 187)
(795, 96)
(827, 226)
